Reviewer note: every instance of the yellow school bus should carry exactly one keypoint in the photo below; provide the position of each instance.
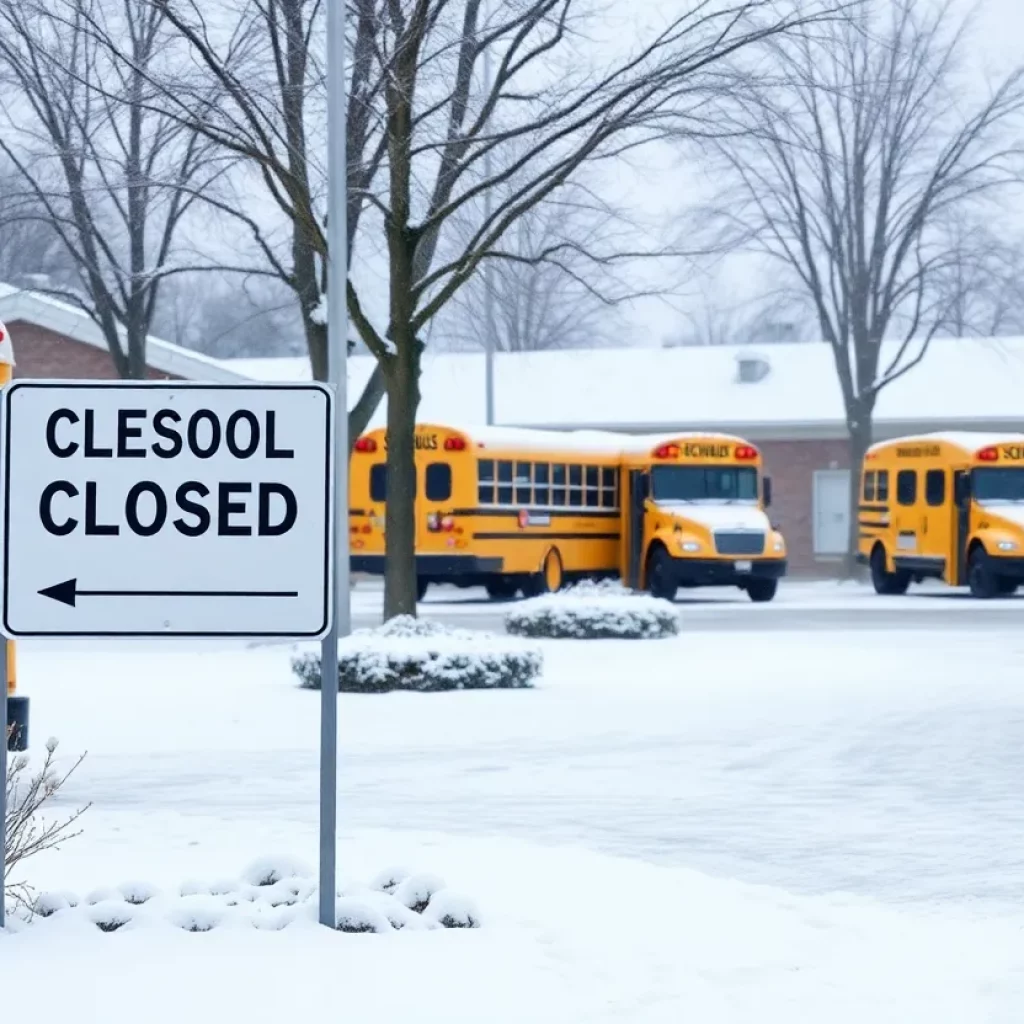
(946, 506)
(529, 510)
(509, 510)
(696, 516)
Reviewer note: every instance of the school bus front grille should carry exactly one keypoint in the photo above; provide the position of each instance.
(739, 542)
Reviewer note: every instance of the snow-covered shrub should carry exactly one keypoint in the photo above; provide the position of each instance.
(358, 917)
(415, 892)
(103, 895)
(594, 611)
(138, 893)
(389, 879)
(452, 910)
(197, 913)
(48, 903)
(110, 915)
(411, 654)
(271, 870)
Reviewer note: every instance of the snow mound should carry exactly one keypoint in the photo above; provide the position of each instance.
(415, 892)
(594, 611)
(270, 897)
(138, 893)
(409, 654)
(271, 870)
(49, 903)
(358, 917)
(452, 910)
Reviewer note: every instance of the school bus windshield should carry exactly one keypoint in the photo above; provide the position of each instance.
(998, 485)
(704, 483)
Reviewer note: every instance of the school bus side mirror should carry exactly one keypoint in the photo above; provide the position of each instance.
(766, 489)
(962, 490)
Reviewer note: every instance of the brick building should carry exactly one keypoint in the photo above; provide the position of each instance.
(54, 340)
(785, 398)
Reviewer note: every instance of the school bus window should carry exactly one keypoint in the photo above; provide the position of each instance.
(541, 481)
(439, 481)
(379, 482)
(485, 473)
(699, 483)
(882, 490)
(558, 486)
(592, 474)
(906, 486)
(608, 488)
(869, 485)
(524, 487)
(504, 483)
(575, 486)
(997, 485)
(935, 487)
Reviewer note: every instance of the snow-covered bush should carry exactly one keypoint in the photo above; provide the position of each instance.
(138, 893)
(271, 870)
(110, 915)
(594, 611)
(411, 654)
(451, 910)
(394, 901)
(358, 917)
(28, 832)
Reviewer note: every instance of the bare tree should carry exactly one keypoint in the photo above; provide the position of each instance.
(417, 142)
(842, 162)
(560, 286)
(266, 62)
(980, 289)
(31, 251)
(549, 112)
(759, 322)
(114, 181)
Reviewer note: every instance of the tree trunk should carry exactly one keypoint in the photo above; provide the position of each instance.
(403, 390)
(860, 440)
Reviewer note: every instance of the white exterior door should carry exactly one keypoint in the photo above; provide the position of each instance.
(831, 511)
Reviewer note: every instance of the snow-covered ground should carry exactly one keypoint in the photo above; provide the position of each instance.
(774, 826)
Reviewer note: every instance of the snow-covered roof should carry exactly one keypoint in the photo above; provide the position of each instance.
(72, 322)
(959, 383)
(596, 442)
(966, 440)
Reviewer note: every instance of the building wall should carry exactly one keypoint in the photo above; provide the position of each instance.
(42, 354)
(792, 465)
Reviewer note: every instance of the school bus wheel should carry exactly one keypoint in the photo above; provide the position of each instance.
(982, 579)
(660, 574)
(501, 588)
(885, 582)
(760, 590)
(550, 578)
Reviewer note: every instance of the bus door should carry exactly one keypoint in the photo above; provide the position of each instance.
(639, 488)
(961, 525)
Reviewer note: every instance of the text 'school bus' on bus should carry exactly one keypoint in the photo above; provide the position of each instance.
(529, 510)
(947, 506)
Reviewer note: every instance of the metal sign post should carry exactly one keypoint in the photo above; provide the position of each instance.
(337, 362)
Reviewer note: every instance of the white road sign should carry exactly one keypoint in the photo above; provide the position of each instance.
(160, 509)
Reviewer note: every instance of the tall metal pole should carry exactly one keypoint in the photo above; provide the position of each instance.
(337, 363)
(488, 268)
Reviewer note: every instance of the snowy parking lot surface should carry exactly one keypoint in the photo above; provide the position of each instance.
(867, 784)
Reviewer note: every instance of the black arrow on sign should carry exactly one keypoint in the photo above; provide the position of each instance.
(68, 593)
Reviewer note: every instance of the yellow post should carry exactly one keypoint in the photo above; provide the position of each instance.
(6, 373)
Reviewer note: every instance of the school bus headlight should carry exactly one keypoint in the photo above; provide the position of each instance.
(779, 545)
(1007, 545)
(689, 545)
